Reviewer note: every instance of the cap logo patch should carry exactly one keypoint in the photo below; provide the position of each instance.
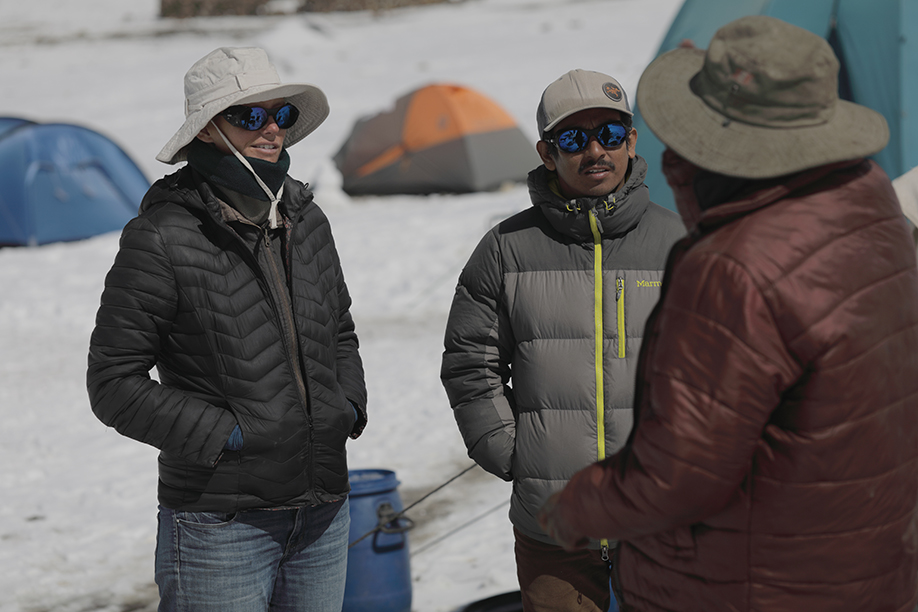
(612, 91)
(741, 76)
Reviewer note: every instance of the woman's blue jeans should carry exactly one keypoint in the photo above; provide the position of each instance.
(288, 559)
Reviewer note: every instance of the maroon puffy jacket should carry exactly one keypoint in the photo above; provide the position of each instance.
(773, 462)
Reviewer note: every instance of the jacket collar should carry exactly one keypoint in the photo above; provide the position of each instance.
(187, 188)
(721, 214)
(617, 213)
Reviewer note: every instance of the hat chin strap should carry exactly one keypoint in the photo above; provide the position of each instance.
(275, 198)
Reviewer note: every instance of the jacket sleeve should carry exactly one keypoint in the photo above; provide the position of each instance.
(476, 362)
(716, 372)
(350, 366)
(137, 309)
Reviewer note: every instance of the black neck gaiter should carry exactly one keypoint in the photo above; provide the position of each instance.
(225, 170)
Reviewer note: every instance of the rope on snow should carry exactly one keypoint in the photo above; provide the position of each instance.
(459, 528)
(384, 522)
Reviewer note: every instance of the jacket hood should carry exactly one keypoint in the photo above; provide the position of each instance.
(617, 213)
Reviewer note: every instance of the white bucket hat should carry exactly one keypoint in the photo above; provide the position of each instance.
(228, 76)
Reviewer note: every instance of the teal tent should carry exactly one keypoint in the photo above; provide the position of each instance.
(875, 40)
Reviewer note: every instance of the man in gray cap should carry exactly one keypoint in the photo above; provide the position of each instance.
(774, 460)
(547, 321)
(228, 282)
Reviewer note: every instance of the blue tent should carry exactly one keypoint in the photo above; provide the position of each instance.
(63, 182)
(875, 40)
(8, 123)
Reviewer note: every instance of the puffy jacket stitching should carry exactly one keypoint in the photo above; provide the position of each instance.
(790, 376)
(495, 314)
(712, 398)
(846, 582)
(843, 302)
(789, 271)
(502, 308)
(212, 356)
(848, 480)
(868, 350)
(676, 458)
(767, 303)
(214, 353)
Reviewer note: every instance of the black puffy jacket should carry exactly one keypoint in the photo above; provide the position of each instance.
(188, 295)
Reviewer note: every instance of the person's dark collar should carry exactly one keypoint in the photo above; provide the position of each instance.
(225, 171)
(617, 212)
(712, 189)
(722, 198)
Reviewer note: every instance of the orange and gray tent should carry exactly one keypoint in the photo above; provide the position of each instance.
(439, 138)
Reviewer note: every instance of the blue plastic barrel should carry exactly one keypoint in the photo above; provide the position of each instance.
(378, 566)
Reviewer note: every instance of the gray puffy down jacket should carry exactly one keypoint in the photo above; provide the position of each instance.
(536, 397)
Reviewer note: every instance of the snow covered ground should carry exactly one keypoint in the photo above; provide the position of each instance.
(78, 501)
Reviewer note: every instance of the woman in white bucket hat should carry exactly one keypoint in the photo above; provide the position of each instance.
(229, 283)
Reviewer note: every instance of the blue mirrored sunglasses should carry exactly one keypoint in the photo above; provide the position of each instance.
(575, 139)
(253, 118)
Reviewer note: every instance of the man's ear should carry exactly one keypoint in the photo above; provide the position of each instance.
(632, 143)
(544, 151)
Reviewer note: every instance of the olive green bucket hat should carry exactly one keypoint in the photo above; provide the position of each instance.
(761, 102)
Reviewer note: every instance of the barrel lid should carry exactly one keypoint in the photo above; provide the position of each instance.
(366, 482)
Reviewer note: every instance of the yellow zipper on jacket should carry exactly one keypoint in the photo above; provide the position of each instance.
(620, 307)
(597, 350)
(597, 336)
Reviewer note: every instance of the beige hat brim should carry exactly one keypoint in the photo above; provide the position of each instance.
(308, 99)
(706, 138)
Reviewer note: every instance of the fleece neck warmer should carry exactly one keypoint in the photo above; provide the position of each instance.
(249, 176)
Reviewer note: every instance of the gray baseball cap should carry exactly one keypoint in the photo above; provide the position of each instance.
(576, 91)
